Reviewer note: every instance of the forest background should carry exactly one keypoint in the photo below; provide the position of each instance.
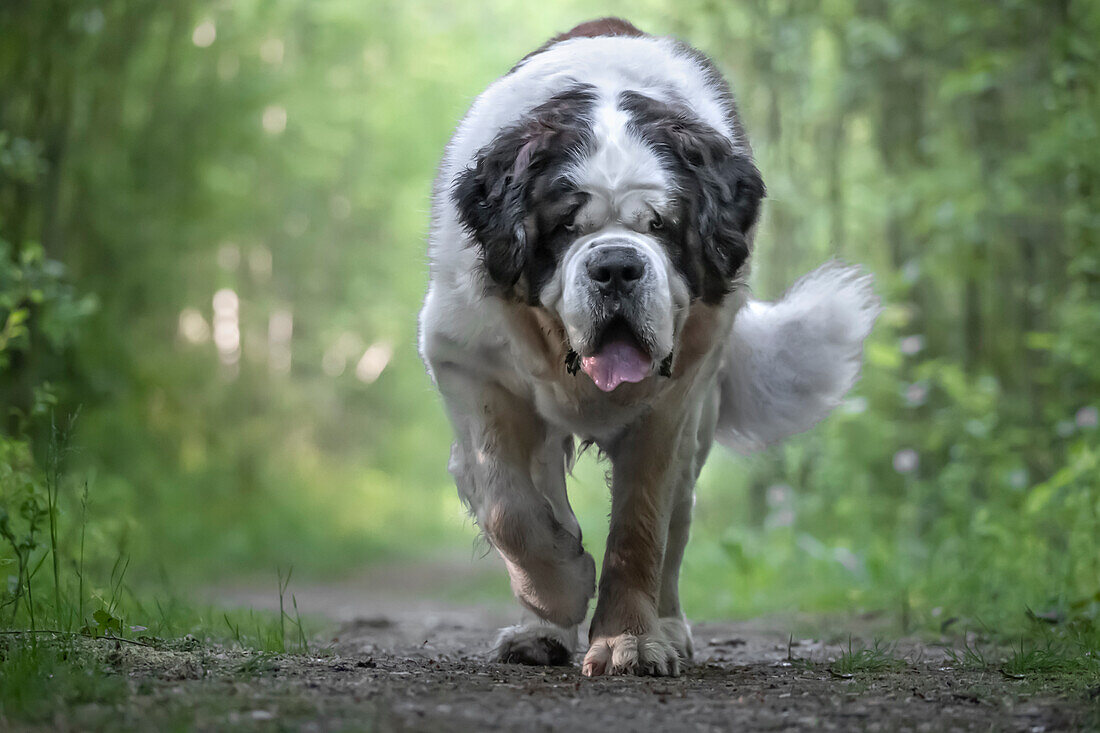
(212, 225)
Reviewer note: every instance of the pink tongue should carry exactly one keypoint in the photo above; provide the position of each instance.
(617, 362)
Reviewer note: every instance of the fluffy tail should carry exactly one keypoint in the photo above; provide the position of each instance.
(789, 363)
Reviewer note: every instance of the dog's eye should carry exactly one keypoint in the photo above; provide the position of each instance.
(656, 223)
(570, 222)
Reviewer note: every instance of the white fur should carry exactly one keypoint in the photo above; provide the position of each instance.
(789, 363)
(515, 416)
(535, 642)
(662, 295)
(678, 633)
(652, 654)
(622, 162)
(653, 66)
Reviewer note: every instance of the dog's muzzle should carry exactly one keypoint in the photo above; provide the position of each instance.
(618, 279)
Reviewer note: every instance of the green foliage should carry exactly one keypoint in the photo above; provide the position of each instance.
(104, 624)
(278, 156)
(957, 155)
(40, 315)
(46, 664)
(1051, 655)
(1052, 659)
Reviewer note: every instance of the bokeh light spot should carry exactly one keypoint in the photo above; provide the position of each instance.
(204, 34)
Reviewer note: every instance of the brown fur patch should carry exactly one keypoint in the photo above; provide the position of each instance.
(590, 29)
(543, 337)
(698, 337)
(505, 530)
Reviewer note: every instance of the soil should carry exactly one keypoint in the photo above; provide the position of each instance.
(402, 662)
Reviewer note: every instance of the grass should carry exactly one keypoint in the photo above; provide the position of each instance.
(38, 678)
(72, 605)
(48, 670)
(1061, 661)
(877, 658)
(970, 656)
(58, 632)
(1053, 659)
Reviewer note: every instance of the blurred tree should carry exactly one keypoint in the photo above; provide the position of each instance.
(244, 190)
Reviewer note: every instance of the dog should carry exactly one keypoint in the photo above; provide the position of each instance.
(592, 223)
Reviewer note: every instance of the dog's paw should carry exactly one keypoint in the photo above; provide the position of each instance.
(641, 654)
(536, 644)
(678, 633)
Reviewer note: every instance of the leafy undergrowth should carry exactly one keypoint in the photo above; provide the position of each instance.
(69, 609)
(107, 684)
(50, 672)
(37, 679)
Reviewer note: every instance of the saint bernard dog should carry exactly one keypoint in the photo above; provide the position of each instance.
(591, 230)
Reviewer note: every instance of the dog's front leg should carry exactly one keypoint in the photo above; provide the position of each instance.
(509, 466)
(626, 636)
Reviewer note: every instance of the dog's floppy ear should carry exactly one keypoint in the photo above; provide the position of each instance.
(492, 195)
(720, 186)
(723, 189)
(491, 200)
(730, 192)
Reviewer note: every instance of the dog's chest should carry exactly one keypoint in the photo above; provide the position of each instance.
(569, 400)
(573, 403)
(584, 411)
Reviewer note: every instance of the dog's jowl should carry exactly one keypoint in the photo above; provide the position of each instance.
(593, 223)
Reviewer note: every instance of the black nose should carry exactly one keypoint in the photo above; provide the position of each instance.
(615, 269)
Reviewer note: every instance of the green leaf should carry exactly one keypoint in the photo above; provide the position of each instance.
(106, 622)
(1040, 340)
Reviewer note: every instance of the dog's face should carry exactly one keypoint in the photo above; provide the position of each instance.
(615, 215)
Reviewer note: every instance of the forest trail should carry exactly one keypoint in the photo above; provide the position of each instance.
(405, 659)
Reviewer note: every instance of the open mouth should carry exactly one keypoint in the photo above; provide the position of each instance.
(619, 357)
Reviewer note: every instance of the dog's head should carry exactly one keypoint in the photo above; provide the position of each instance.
(615, 215)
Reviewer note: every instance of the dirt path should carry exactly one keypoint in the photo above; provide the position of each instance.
(404, 660)
(434, 676)
(417, 661)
